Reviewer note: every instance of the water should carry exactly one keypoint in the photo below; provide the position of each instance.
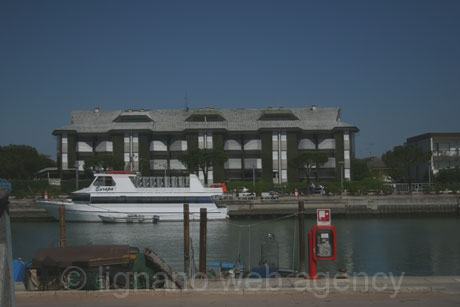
(415, 246)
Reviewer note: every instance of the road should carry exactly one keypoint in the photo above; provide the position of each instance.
(238, 300)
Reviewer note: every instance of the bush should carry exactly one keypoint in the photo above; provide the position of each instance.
(332, 187)
(449, 176)
(68, 186)
(236, 186)
(365, 186)
(20, 194)
(441, 187)
(262, 186)
(291, 186)
(24, 188)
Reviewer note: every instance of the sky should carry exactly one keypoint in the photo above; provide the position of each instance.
(393, 67)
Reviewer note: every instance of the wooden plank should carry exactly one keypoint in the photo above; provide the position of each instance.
(159, 265)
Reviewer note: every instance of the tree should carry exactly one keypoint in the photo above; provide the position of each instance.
(203, 160)
(451, 175)
(308, 161)
(22, 161)
(104, 162)
(360, 169)
(402, 158)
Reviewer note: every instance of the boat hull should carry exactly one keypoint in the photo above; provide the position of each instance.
(76, 212)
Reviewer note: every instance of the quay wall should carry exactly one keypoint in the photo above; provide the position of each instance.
(351, 205)
(26, 210)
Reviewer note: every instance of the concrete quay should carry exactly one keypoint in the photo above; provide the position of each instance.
(26, 210)
(378, 205)
(380, 290)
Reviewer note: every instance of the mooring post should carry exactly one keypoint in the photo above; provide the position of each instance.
(302, 260)
(186, 241)
(203, 230)
(62, 234)
(458, 207)
(7, 294)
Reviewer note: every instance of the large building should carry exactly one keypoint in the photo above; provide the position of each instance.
(445, 148)
(257, 141)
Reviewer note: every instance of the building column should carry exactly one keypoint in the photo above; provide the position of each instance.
(339, 154)
(218, 170)
(347, 154)
(71, 150)
(292, 152)
(267, 160)
(192, 143)
(144, 154)
(118, 146)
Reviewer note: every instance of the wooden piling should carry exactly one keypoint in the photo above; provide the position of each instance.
(203, 230)
(187, 240)
(7, 294)
(300, 217)
(62, 233)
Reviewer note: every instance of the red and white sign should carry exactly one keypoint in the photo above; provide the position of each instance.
(297, 194)
(323, 217)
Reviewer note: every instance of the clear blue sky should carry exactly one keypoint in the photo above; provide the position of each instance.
(392, 66)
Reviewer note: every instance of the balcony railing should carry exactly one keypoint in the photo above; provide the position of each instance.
(446, 153)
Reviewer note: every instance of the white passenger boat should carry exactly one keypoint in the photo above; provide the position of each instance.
(128, 198)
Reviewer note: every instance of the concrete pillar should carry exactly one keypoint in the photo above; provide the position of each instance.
(7, 297)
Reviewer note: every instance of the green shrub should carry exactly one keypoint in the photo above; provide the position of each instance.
(365, 186)
(262, 186)
(332, 187)
(236, 186)
(20, 194)
(37, 188)
(69, 186)
(441, 187)
(291, 186)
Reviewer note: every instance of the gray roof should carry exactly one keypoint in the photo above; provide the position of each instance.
(238, 120)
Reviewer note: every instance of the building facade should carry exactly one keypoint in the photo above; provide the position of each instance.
(258, 142)
(445, 148)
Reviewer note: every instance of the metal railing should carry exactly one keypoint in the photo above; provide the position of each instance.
(403, 188)
(446, 153)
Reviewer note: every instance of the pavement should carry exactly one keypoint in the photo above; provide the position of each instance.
(378, 290)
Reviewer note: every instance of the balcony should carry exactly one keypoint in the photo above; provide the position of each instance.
(447, 153)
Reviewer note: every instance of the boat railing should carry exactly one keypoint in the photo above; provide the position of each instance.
(162, 182)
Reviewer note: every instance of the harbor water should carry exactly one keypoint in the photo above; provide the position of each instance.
(413, 246)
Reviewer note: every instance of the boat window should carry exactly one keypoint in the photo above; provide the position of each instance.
(152, 199)
(84, 198)
(104, 182)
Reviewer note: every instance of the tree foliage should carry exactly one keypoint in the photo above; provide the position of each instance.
(104, 162)
(203, 160)
(309, 160)
(451, 175)
(402, 158)
(359, 168)
(22, 162)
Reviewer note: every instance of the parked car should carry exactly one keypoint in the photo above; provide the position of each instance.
(245, 193)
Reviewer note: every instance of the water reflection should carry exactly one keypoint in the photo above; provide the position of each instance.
(417, 246)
